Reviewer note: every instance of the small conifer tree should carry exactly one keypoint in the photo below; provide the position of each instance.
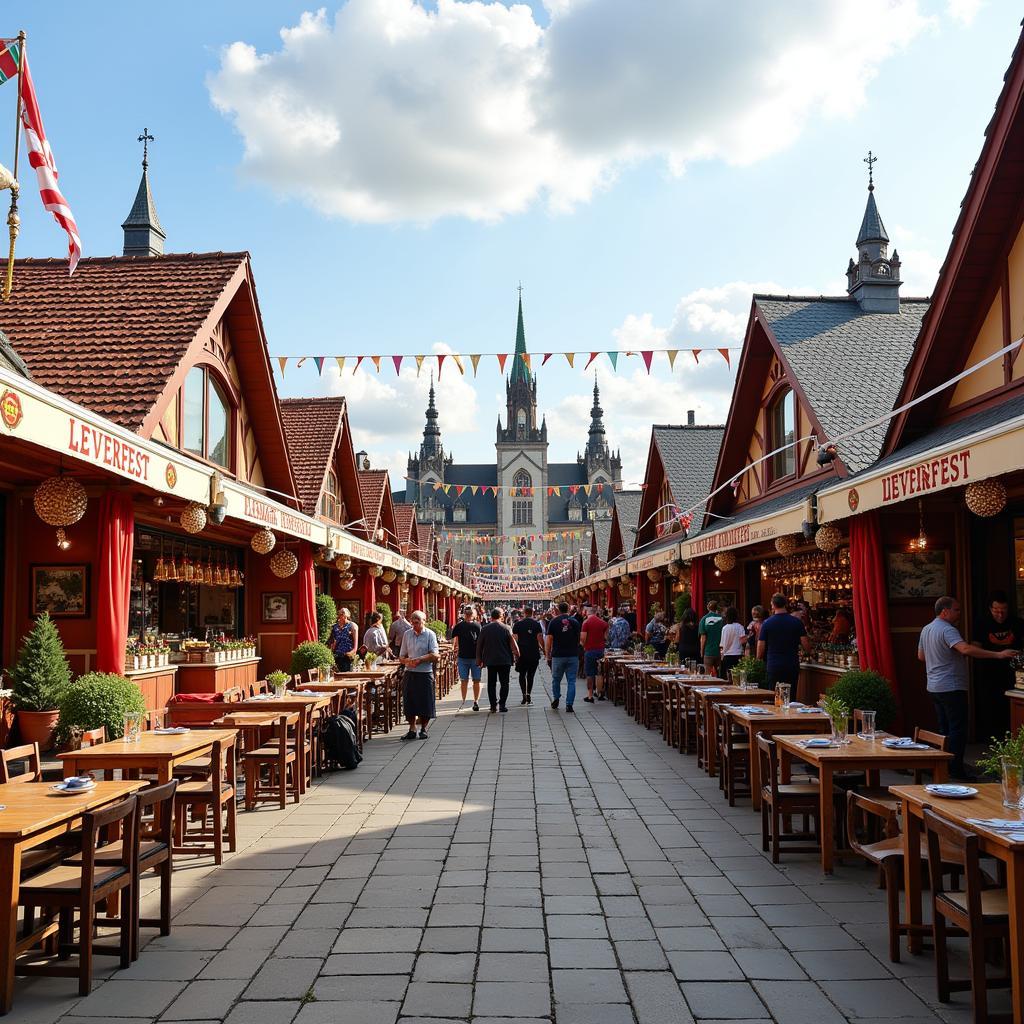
(42, 673)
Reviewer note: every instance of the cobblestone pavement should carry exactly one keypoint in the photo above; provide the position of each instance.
(515, 868)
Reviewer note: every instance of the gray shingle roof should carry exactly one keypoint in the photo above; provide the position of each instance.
(690, 455)
(850, 364)
(627, 508)
(602, 534)
(871, 227)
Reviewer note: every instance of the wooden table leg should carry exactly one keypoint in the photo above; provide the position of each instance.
(711, 758)
(10, 873)
(827, 824)
(69, 766)
(912, 877)
(755, 769)
(1015, 888)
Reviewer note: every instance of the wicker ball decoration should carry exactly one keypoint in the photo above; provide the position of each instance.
(346, 582)
(193, 518)
(653, 575)
(343, 562)
(786, 545)
(283, 563)
(677, 567)
(986, 497)
(389, 576)
(652, 588)
(403, 576)
(828, 538)
(60, 501)
(376, 571)
(725, 561)
(263, 541)
(385, 589)
(413, 581)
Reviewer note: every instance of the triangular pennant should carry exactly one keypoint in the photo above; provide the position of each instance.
(647, 357)
(586, 489)
(459, 488)
(473, 489)
(613, 358)
(458, 363)
(696, 355)
(573, 488)
(282, 361)
(397, 360)
(600, 488)
(446, 488)
(672, 353)
(725, 355)
(551, 492)
(437, 487)
(525, 356)
(359, 359)
(318, 361)
(593, 356)
(475, 360)
(376, 362)
(502, 356)
(419, 363)
(547, 356)
(440, 363)
(569, 357)
(340, 360)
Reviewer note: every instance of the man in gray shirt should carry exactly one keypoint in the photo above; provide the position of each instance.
(944, 653)
(399, 627)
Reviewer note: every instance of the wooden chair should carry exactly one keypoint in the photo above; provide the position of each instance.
(213, 797)
(153, 840)
(782, 801)
(312, 675)
(93, 737)
(733, 757)
(280, 758)
(932, 739)
(980, 913)
(9, 759)
(156, 719)
(688, 722)
(67, 888)
(296, 683)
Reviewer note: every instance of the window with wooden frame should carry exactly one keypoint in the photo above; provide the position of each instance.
(207, 418)
(522, 508)
(329, 498)
(782, 431)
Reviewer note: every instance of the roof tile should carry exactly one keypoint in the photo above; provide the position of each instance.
(311, 429)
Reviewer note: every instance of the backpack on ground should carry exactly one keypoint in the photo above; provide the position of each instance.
(339, 740)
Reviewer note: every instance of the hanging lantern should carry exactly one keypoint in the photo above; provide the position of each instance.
(375, 571)
(653, 575)
(263, 541)
(676, 567)
(403, 576)
(828, 538)
(283, 563)
(343, 562)
(60, 501)
(725, 561)
(389, 576)
(414, 581)
(385, 589)
(785, 545)
(193, 518)
(346, 582)
(986, 497)
(652, 588)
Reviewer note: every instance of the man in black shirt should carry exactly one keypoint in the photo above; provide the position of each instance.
(562, 649)
(998, 630)
(465, 635)
(530, 635)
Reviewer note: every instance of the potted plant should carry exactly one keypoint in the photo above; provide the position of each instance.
(40, 678)
(838, 714)
(369, 658)
(313, 655)
(1004, 759)
(98, 699)
(648, 652)
(278, 681)
(754, 670)
(326, 614)
(866, 691)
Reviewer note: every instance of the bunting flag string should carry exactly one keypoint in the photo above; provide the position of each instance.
(552, 490)
(488, 538)
(526, 358)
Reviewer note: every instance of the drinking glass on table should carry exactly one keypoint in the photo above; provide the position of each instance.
(868, 727)
(782, 691)
(133, 727)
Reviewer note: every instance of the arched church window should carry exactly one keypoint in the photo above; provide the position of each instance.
(521, 423)
(522, 479)
(522, 505)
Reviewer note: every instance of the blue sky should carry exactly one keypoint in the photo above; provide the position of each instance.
(639, 167)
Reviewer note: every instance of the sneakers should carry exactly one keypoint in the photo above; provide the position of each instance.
(423, 734)
(476, 707)
(524, 701)
(503, 709)
(601, 696)
(554, 705)
(529, 700)
(588, 700)
(569, 710)
(493, 709)
(411, 735)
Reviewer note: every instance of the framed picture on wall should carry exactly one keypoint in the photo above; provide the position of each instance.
(917, 575)
(354, 606)
(61, 590)
(725, 599)
(277, 606)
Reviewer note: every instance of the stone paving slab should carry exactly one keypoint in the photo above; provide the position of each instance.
(528, 868)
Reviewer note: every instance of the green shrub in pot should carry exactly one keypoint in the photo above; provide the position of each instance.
(98, 699)
(312, 655)
(866, 690)
(755, 669)
(326, 616)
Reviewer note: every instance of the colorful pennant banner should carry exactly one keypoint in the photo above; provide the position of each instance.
(515, 492)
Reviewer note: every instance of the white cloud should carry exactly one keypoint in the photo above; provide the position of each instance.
(964, 11)
(393, 112)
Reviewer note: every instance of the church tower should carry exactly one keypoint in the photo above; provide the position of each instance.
(143, 235)
(601, 465)
(427, 468)
(522, 458)
(874, 279)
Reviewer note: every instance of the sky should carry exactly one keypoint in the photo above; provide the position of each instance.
(397, 168)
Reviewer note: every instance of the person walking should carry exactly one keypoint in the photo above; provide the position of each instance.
(734, 636)
(592, 636)
(618, 631)
(375, 640)
(342, 640)
(944, 653)
(561, 648)
(689, 638)
(780, 642)
(399, 626)
(710, 631)
(465, 635)
(497, 649)
(418, 654)
(529, 634)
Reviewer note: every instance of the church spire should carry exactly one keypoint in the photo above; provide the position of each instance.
(143, 234)
(873, 279)
(431, 431)
(519, 370)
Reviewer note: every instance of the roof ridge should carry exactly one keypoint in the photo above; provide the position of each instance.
(832, 298)
(89, 260)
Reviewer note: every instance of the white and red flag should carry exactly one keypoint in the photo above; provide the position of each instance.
(40, 156)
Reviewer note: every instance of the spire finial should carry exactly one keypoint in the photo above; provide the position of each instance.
(145, 138)
(520, 290)
(871, 160)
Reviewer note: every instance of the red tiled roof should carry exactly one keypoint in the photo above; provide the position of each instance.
(311, 430)
(111, 336)
(372, 484)
(405, 517)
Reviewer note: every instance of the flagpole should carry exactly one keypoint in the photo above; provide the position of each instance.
(13, 219)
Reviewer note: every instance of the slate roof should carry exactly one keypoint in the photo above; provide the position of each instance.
(372, 483)
(779, 503)
(871, 227)
(627, 508)
(143, 211)
(311, 428)
(849, 363)
(689, 454)
(110, 336)
(602, 534)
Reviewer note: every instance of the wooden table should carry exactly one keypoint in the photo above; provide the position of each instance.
(778, 720)
(306, 706)
(33, 815)
(673, 681)
(858, 755)
(706, 702)
(249, 723)
(156, 752)
(987, 804)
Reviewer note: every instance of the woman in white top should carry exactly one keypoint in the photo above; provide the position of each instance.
(734, 636)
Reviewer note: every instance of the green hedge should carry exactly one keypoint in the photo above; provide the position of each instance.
(95, 699)
(312, 655)
(862, 689)
(326, 615)
(385, 613)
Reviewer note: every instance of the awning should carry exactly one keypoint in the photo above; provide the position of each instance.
(977, 454)
(777, 523)
(653, 559)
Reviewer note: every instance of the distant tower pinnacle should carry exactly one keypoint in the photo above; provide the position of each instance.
(143, 234)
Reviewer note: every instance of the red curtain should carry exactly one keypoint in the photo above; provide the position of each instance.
(416, 600)
(870, 598)
(369, 599)
(306, 628)
(641, 603)
(609, 598)
(697, 586)
(117, 536)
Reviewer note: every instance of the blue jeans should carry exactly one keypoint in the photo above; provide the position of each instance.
(951, 711)
(564, 667)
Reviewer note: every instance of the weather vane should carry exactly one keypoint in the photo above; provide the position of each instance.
(871, 160)
(145, 138)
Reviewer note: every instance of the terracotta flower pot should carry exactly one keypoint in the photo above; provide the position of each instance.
(38, 727)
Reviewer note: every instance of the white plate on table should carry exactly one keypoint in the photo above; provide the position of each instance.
(950, 791)
(177, 730)
(818, 744)
(65, 790)
(895, 744)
